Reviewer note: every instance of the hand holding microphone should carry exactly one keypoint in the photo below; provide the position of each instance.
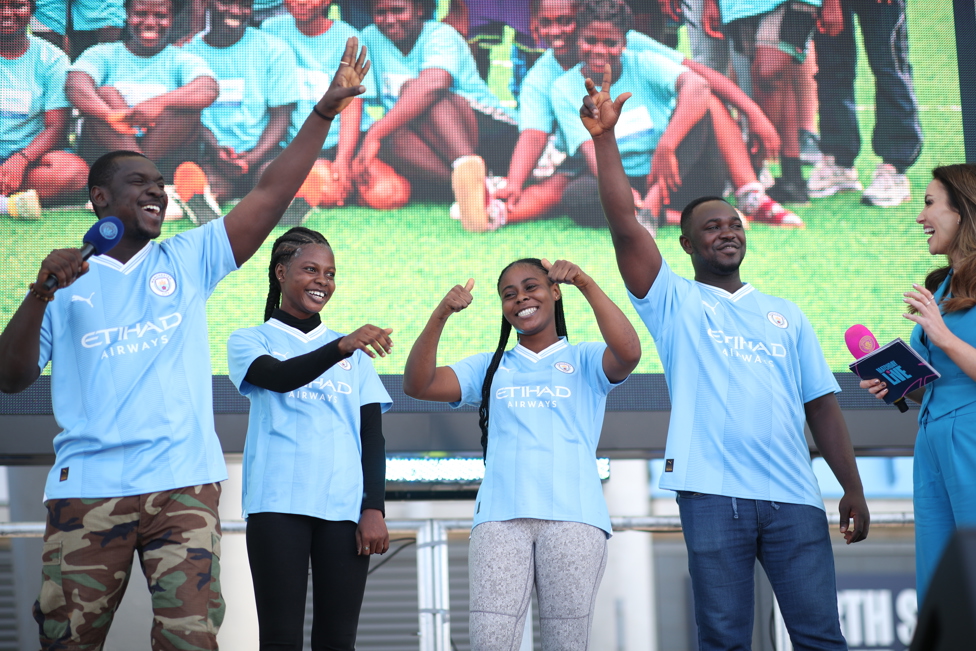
(62, 266)
(860, 342)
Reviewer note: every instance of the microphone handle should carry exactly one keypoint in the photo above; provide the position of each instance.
(902, 405)
(87, 249)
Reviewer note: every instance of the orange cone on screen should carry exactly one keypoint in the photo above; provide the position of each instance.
(189, 179)
(386, 189)
(311, 190)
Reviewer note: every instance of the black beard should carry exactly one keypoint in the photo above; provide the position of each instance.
(710, 266)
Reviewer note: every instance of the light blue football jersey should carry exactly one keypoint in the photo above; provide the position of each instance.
(318, 58)
(303, 452)
(255, 74)
(86, 15)
(736, 9)
(740, 368)
(438, 46)
(652, 79)
(130, 370)
(30, 85)
(140, 78)
(546, 416)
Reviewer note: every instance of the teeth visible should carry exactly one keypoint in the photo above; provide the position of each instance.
(232, 22)
(312, 292)
(929, 231)
(152, 209)
(527, 312)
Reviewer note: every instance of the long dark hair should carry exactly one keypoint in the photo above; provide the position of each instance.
(503, 343)
(960, 184)
(285, 248)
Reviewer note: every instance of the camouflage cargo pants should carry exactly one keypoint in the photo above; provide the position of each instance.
(88, 549)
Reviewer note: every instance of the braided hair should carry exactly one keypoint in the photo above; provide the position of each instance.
(503, 343)
(284, 249)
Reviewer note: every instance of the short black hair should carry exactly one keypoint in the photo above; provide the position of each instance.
(177, 5)
(615, 12)
(427, 5)
(689, 210)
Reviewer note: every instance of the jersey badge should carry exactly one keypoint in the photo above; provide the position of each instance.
(565, 367)
(162, 284)
(345, 365)
(777, 319)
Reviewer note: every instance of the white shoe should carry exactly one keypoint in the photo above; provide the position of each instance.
(174, 209)
(495, 211)
(888, 188)
(24, 205)
(828, 178)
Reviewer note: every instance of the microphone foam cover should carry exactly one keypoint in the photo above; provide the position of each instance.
(104, 234)
(860, 341)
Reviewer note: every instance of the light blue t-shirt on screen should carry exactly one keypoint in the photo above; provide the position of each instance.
(736, 9)
(740, 368)
(303, 452)
(546, 416)
(130, 370)
(30, 85)
(652, 79)
(255, 74)
(86, 15)
(438, 46)
(140, 78)
(318, 58)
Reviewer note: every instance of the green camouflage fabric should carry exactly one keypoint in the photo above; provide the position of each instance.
(87, 560)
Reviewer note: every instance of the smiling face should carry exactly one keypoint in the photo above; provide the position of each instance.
(149, 22)
(715, 239)
(307, 280)
(938, 218)
(306, 11)
(136, 195)
(399, 20)
(554, 26)
(601, 43)
(528, 299)
(229, 19)
(14, 17)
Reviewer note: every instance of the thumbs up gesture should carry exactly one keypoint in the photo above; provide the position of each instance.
(458, 298)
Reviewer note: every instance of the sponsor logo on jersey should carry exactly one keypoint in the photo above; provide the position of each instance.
(345, 365)
(327, 390)
(123, 340)
(536, 397)
(777, 319)
(82, 299)
(565, 367)
(747, 350)
(162, 284)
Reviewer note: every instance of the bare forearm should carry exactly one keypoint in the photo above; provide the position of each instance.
(617, 331)
(50, 138)
(692, 104)
(421, 366)
(531, 143)
(81, 92)
(274, 132)
(417, 96)
(20, 344)
(833, 441)
(196, 95)
(726, 90)
(349, 132)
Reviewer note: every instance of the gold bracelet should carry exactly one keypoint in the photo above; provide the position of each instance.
(47, 299)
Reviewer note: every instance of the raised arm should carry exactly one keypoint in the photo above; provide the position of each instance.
(834, 443)
(249, 222)
(422, 378)
(638, 257)
(623, 345)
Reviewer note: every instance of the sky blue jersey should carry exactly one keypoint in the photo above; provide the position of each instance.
(130, 370)
(736, 9)
(740, 368)
(30, 85)
(303, 450)
(546, 416)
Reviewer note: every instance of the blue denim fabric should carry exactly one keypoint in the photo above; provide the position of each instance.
(897, 137)
(725, 536)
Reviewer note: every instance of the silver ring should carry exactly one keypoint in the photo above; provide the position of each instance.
(927, 303)
(366, 549)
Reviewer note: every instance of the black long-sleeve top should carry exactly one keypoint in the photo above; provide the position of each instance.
(282, 376)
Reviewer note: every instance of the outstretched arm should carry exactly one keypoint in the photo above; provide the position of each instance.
(834, 443)
(623, 345)
(422, 378)
(250, 221)
(638, 257)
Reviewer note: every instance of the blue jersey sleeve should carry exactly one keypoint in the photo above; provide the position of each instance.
(371, 388)
(443, 48)
(591, 361)
(189, 67)
(817, 379)
(566, 99)
(637, 42)
(46, 347)
(282, 81)
(535, 103)
(661, 300)
(243, 347)
(95, 62)
(54, 74)
(470, 373)
(205, 252)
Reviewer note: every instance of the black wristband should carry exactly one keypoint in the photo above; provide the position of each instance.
(315, 109)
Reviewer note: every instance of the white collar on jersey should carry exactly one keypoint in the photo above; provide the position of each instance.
(536, 357)
(126, 268)
(745, 290)
(311, 335)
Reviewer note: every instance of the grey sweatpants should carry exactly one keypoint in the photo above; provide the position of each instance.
(565, 562)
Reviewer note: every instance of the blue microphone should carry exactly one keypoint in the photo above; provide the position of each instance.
(100, 238)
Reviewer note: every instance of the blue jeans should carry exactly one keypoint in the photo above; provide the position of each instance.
(725, 536)
(897, 137)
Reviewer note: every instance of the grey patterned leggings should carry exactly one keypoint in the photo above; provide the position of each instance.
(565, 562)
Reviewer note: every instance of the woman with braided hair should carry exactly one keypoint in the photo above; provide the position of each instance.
(540, 517)
(314, 458)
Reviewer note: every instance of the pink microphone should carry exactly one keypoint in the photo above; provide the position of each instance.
(860, 342)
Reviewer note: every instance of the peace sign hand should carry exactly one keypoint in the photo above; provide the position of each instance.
(599, 113)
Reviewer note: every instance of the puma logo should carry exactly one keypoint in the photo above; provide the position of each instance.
(75, 297)
(711, 307)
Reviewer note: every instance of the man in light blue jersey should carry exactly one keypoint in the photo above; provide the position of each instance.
(138, 463)
(745, 372)
(443, 128)
(255, 71)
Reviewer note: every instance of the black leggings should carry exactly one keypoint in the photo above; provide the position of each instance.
(279, 546)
